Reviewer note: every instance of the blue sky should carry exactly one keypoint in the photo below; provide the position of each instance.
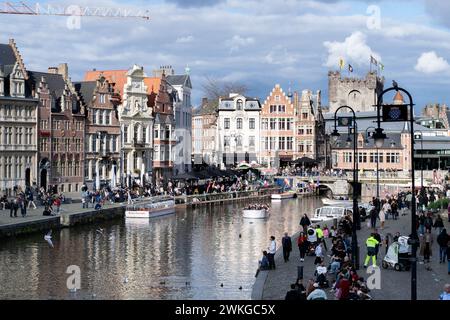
(258, 43)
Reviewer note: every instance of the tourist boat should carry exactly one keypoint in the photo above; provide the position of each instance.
(255, 214)
(284, 195)
(332, 202)
(329, 213)
(154, 207)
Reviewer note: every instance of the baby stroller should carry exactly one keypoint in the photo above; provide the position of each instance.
(398, 255)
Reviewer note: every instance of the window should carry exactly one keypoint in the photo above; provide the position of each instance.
(157, 132)
(281, 143)
(125, 134)
(94, 116)
(102, 98)
(251, 123)
(273, 143)
(277, 98)
(301, 130)
(114, 144)
(238, 141)
(289, 143)
(282, 124)
(144, 134)
(273, 124)
(226, 142)
(347, 157)
(94, 143)
(304, 115)
(265, 143)
(282, 108)
(309, 146)
(265, 124)
(239, 105)
(226, 123)
(289, 124)
(107, 117)
(167, 132)
(273, 109)
(301, 148)
(239, 123)
(309, 130)
(251, 141)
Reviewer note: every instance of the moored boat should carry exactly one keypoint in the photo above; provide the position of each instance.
(284, 195)
(255, 213)
(155, 207)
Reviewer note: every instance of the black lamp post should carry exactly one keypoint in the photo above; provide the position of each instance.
(399, 112)
(378, 161)
(335, 135)
(420, 137)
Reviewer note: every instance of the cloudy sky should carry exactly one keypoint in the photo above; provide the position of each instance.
(259, 43)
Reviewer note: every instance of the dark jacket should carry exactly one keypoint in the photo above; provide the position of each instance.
(293, 295)
(442, 239)
(438, 223)
(287, 243)
(305, 221)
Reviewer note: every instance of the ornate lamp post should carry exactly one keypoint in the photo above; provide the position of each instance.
(420, 137)
(399, 112)
(335, 135)
(378, 160)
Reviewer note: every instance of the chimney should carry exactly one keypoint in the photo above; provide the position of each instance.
(53, 70)
(63, 70)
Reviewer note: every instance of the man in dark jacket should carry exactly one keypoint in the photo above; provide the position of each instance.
(287, 246)
(442, 240)
(373, 217)
(293, 294)
(305, 222)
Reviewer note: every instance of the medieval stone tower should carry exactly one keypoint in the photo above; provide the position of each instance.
(360, 94)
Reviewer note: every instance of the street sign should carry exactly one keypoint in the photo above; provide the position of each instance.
(344, 121)
(394, 113)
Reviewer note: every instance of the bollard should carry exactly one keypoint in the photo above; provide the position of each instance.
(299, 273)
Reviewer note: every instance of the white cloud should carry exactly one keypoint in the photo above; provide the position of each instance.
(186, 39)
(354, 50)
(430, 62)
(237, 42)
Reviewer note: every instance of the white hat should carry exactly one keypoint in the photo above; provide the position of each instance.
(316, 285)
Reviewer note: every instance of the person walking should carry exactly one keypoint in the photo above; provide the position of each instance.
(438, 224)
(271, 252)
(442, 240)
(13, 205)
(427, 243)
(57, 204)
(373, 217)
(30, 199)
(23, 207)
(371, 244)
(287, 246)
(302, 243)
(382, 217)
(305, 222)
(428, 222)
(320, 237)
(421, 222)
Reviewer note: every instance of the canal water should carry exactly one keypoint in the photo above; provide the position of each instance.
(201, 253)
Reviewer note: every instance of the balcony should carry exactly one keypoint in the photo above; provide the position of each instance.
(138, 144)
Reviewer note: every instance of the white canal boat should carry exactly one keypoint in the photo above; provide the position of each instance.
(255, 214)
(284, 195)
(333, 202)
(154, 207)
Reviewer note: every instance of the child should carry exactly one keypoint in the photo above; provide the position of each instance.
(326, 232)
(333, 232)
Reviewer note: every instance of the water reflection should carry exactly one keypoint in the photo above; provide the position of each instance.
(183, 256)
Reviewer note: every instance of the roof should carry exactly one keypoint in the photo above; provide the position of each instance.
(55, 82)
(153, 84)
(86, 90)
(118, 77)
(179, 80)
(7, 57)
(393, 141)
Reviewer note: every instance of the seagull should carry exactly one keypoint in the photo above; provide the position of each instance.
(48, 238)
(240, 288)
(162, 282)
(240, 236)
(125, 280)
(394, 84)
(221, 285)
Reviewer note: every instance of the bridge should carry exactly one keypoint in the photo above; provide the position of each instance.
(342, 184)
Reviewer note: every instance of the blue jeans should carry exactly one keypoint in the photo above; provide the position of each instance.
(422, 229)
(335, 265)
(442, 253)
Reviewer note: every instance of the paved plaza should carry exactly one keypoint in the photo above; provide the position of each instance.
(395, 285)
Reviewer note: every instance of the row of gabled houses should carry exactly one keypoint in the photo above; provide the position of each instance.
(114, 126)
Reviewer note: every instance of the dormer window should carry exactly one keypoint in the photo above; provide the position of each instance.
(102, 98)
(239, 105)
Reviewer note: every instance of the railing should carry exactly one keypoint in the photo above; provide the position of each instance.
(224, 196)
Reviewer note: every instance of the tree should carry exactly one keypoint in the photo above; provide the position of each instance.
(214, 88)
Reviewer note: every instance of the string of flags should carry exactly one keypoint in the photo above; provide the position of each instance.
(373, 62)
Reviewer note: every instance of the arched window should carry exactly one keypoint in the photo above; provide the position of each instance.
(239, 105)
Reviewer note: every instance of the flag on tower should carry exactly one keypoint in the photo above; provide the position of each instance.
(341, 63)
(373, 61)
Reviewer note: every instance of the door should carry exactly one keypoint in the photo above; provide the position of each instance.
(27, 177)
(44, 178)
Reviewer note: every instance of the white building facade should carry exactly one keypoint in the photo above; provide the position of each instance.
(238, 130)
(18, 123)
(136, 122)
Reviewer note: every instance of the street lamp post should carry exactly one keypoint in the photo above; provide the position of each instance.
(378, 161)
(335, 135)
(417, 137)
(398, 112)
